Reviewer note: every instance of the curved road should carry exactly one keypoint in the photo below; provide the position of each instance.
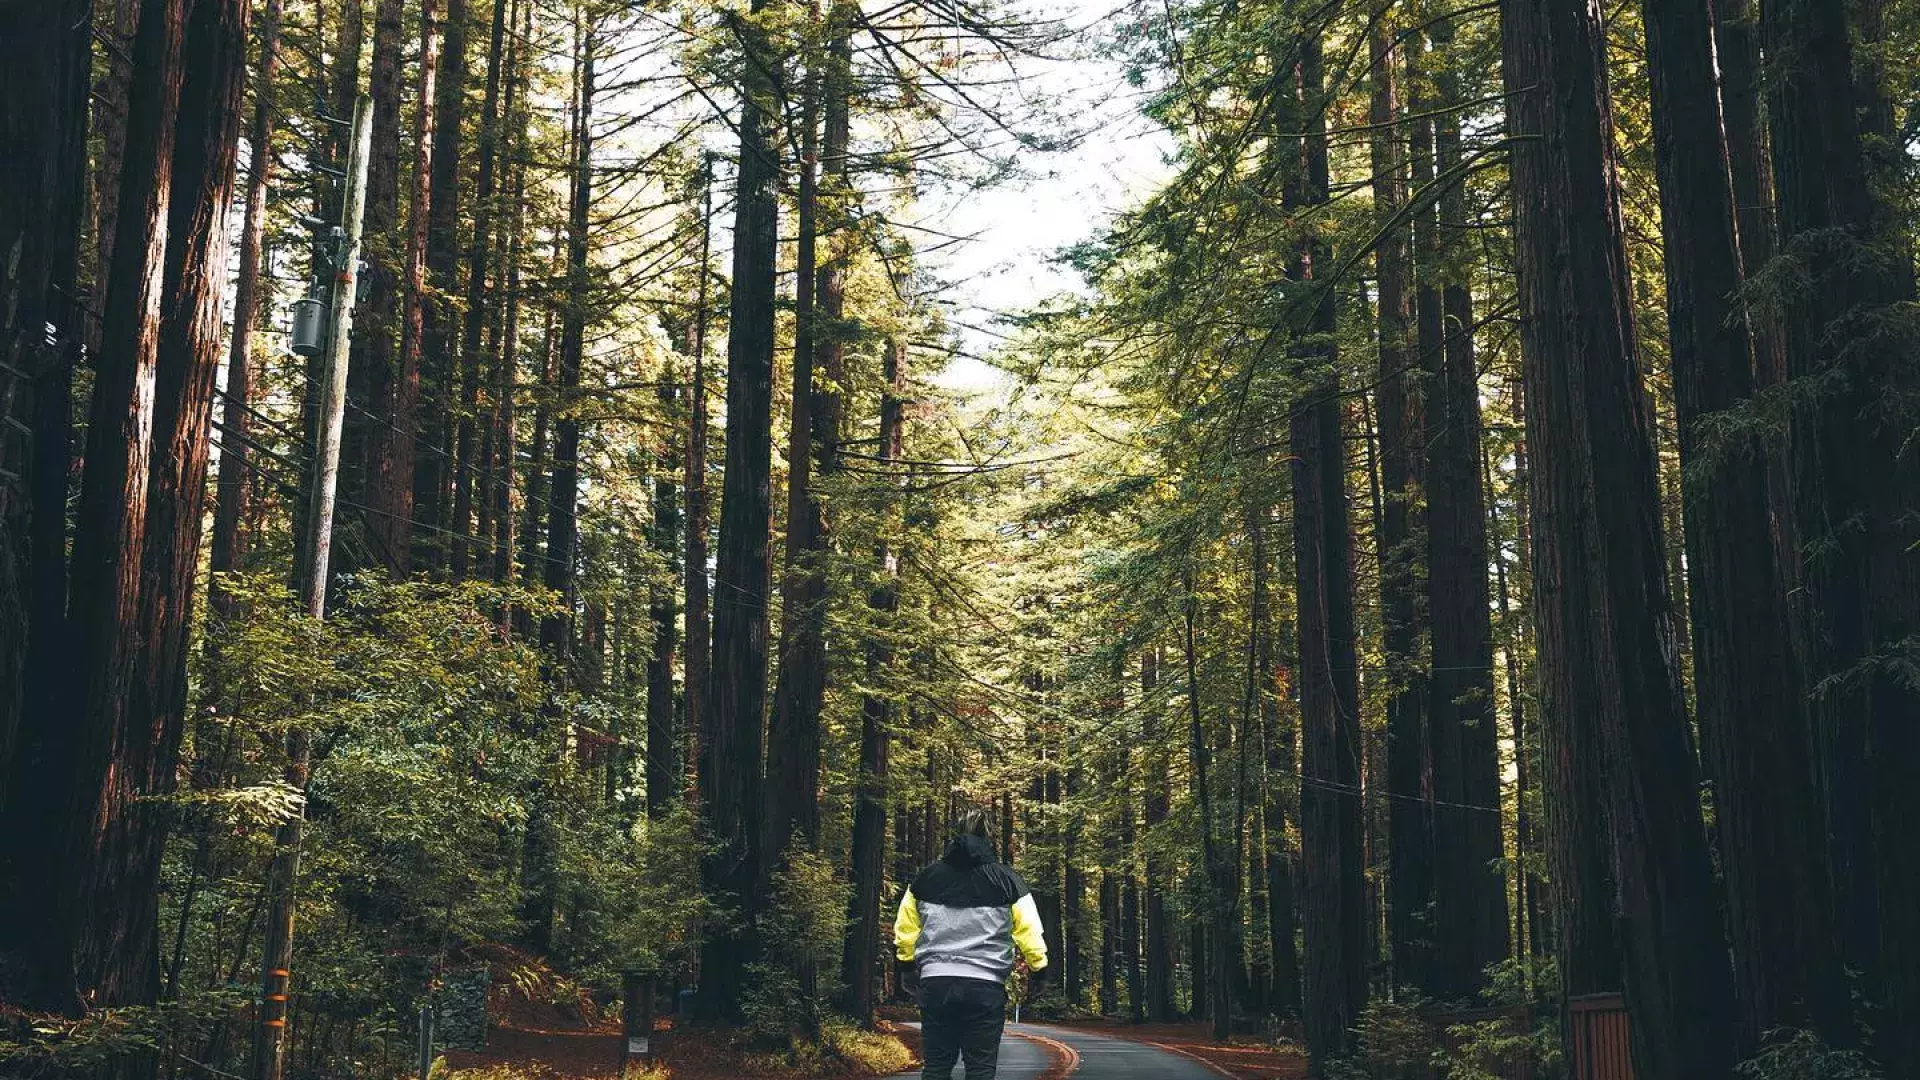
(1102, 1057)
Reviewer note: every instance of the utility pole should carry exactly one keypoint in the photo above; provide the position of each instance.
(270, 1042)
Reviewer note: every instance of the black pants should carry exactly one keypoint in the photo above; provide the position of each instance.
(961, 1019)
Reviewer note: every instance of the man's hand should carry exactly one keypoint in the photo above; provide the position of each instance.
(907, 977)
(1036, 983)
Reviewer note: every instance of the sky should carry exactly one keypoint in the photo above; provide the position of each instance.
(1116, 158)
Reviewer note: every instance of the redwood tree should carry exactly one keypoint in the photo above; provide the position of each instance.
(1857, 496)
(376, 454)
(1409, 814)
(1333, 905)
(1750, 694)
(734, 739)
(1610, 684)
(1470, 912)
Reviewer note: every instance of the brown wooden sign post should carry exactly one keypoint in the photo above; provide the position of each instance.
(636, 1036)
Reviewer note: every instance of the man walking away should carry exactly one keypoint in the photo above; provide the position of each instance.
(960, 922)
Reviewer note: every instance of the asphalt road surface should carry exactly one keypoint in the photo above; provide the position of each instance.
(1102, 1057)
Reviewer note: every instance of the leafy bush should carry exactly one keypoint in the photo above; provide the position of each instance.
(802, 929)
(1801, 1055)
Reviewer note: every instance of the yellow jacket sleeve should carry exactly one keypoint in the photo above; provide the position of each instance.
(1027, 935)
(906, 928)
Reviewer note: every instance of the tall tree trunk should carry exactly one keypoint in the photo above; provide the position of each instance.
(860, 962)
(1857, 488)
(663, 786)
(45, 52)
(337, 86)
(563, 490)
(563, 493)
(1222, 903)
(1073, 901)
(1409, 813)
(1130, 940)
(1470, 929)
(468, 556)
(1330, 826)
(1109, 941)
(1277, 789)
(377, 448)
(506, 408)
(1530, 938)
(1113, 858)
(699, 652)
(1608, 652)
(206, 147)
(793, 736)
(1737, 51)
(408, 433)
(732, 750)
(1576, 827)
(1158, 807)
(112, 103)
(442, 481)
(230, 508)
(108, 759)
(1748, 683)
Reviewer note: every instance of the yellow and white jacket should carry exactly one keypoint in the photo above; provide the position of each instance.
(964, 917)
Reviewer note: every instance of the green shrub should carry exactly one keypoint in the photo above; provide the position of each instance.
(1801, 1055)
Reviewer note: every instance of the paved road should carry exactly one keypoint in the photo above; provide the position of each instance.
(1102, 1057)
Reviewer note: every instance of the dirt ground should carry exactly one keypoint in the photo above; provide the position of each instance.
(523, 1053)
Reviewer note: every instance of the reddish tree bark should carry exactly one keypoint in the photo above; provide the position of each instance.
(734, 740)
(506, 410)
(407, 546)
(471, 556)
(1608, 655)
(191, 331)
(108, 758)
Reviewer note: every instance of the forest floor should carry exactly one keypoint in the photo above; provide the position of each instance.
(1244, 1058)
(592, 1053)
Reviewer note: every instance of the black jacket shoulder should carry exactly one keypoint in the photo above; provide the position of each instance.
(990, 884)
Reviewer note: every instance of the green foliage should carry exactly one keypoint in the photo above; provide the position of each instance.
(433, 734)
(1401, 1040)
(1801, 1055)
(633, 898)
(57, 1046)
(801, 932)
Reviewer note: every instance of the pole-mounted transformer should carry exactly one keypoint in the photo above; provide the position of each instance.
(309, 327)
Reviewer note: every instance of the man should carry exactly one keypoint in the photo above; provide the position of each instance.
(961, 921)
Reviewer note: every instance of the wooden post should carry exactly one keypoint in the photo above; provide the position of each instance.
(636, 1042)
(426, 1040)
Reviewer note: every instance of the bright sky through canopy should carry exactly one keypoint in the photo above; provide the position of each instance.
(1114, 157)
